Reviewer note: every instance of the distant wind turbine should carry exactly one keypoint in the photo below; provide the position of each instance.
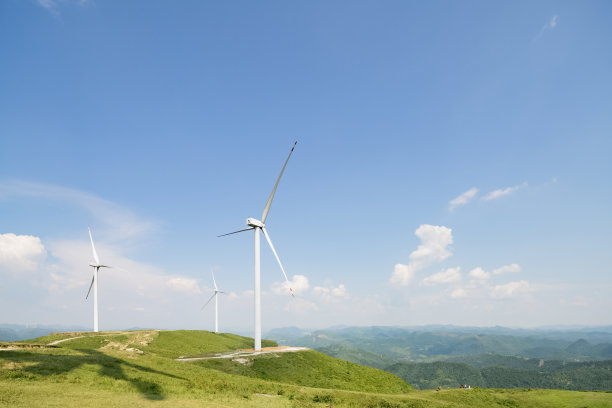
(257, 225)
(94, 281)
(217, 291)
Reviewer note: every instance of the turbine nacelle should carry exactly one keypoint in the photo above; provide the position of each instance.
(94, 265)
(252, 222)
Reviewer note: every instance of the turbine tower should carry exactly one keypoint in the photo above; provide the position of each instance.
(258, 226)
(94, 281)
(217, 291)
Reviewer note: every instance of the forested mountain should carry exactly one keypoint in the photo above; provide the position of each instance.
(581, 376)
(430, 343)
(448, 356)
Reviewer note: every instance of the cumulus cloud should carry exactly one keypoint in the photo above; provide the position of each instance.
(435, 240)
(299, 284)
(503, 192)
(403, 274)
(479, 274)
(510, 290)
(19, 253)
(507, 268)
(330, 293)
(447, 276)
(463, 199)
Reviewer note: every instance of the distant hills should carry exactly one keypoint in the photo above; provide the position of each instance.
(429, 343)
(15, 332)
(492, 357)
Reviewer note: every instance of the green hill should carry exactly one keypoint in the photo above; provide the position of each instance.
(313, 369)
(140, 368)
(358, 356)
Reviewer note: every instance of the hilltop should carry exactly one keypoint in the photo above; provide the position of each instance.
(139, 368)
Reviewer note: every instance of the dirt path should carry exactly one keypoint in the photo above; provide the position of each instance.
(245, 353)
(53, 343)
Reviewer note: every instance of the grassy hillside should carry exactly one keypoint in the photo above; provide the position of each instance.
(313, 369)
(358, 356)
(138, 368)
(194, 342)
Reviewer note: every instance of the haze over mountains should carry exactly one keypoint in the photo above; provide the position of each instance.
(574, 358)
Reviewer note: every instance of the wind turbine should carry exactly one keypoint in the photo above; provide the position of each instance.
(258, 225)
(94, 281)
(217, 291)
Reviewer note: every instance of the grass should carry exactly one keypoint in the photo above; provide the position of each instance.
(105, 369)
(312, 369)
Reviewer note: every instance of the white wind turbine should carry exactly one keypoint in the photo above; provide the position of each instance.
(257, 225)
(217, 291)
(94, 281)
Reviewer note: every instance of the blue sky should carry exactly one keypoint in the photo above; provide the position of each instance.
(452, 163)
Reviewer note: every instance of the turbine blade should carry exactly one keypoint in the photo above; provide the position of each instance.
(269, 203)
(90, 285)
(215, 283)
(278, 259)
(235, 232)
(95, 254)
(211, 298)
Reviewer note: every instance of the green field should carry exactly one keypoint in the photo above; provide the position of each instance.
(138, 368)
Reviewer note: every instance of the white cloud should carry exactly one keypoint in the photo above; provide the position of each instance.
(434, 248)
(507, 268)
(479, 274)
(186, 285)
(509, 290)
(47, 4)
(503, 192)
(330, 293)
(549, 25)
(458, 293)
(299, 284)
(403, 274)
(126, 281)
(53, 6)
(120, 222)
(20, 253)
(340, 291)
(553, 21)
(447, 276)
(463, 198)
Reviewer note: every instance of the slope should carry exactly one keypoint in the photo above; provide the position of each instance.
(139, 369)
